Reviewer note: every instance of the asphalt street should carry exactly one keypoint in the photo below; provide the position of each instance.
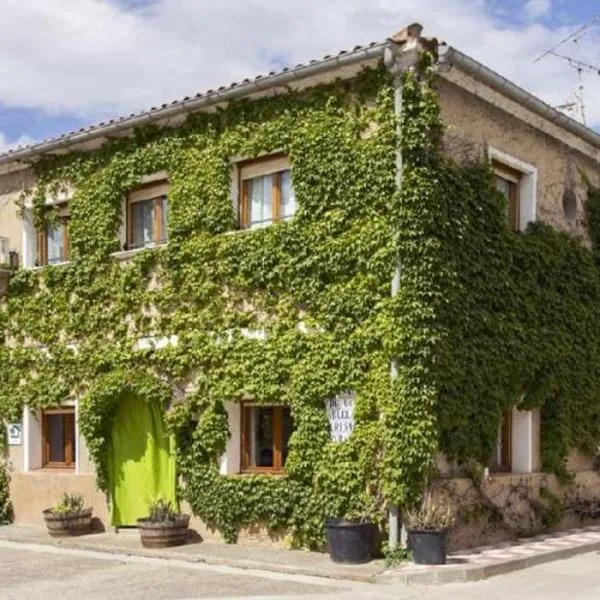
(31, 572)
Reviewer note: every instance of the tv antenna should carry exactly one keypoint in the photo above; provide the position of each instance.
(578, 103)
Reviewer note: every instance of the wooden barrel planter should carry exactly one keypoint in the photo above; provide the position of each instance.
(164, 534)
(69, 523)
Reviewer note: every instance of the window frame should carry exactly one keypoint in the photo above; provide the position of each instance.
(160, 236)
(246, 467)
(528, 183)
(502, 462)
(42, 240)
(513, 178)
(244, 203)
(69, 442)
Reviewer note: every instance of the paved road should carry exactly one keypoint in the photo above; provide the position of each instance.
(30, 572)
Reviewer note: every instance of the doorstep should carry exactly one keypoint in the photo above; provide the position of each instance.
(463, 566)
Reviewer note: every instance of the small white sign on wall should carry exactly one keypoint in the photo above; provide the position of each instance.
(15, 434)
(341, 416)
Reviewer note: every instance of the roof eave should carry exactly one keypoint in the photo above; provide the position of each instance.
(452, 56)
(211, 98)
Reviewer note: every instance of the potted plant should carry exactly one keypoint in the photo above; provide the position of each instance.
(427, 531)
(68, 517)
(354, 538)
(163, 527)
(351, 540)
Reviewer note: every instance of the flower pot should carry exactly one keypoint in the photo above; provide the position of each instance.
(68, 524)
(428, 546)
(164, 534)
(350, 542)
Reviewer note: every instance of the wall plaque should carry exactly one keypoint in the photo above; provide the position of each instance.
(15, 434)
(341, 416)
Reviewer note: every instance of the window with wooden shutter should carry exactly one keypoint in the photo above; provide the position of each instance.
(508, 183)
(58, 438)
(266, 432)
(266, 192)
(53, 239)
(147, 215)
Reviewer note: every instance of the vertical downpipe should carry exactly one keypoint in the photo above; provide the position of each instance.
(394, 513)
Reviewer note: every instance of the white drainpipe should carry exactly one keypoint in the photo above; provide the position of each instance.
(400, 58)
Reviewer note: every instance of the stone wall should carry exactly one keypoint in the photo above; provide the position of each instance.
(478, 118)
(11, 189)
(33, 492)
(506, 506)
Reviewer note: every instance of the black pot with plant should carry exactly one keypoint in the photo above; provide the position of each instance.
(163, 527)
(69, 517)
(428, 528)
(351, 541)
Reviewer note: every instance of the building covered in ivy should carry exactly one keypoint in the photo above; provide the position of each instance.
(311, 294)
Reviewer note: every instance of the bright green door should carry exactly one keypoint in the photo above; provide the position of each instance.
(141, 464)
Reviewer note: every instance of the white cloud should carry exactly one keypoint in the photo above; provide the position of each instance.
(534, 9)
(93, 58)
(6, 145)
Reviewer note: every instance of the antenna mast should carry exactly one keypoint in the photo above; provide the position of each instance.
(580, 66)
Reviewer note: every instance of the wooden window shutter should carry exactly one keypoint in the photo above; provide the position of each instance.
(157, 225)
(46, 440)
(67, 240)
(277, 437)
(69, 442)
(276, 196)
(513, 207)
(246, 436)
(42, 246)
(244, 206)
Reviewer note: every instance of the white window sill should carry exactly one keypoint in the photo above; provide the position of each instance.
(40, 267)
(248, 230)
(127, 254)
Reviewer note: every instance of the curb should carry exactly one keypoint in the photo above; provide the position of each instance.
(409, 575)
(341, 574)
(346, 575)
(463, 574)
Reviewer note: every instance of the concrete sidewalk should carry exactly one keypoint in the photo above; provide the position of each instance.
(481, 563)
(466, 566)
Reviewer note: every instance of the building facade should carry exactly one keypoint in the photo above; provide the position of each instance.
(252, 183)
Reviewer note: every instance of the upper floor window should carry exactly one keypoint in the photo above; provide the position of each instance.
(266, 432)
(147, 216)
(508, 183)
(516, 180)
(53, 240)
(266, 192)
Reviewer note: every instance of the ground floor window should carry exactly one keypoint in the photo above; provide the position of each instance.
(266, 431)
(502, 459)
(58, 438)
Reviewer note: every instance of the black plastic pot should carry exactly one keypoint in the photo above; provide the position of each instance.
(428, 546)
(350, 542)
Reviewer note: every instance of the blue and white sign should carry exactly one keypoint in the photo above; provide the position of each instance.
(15, 434)
(341, 416)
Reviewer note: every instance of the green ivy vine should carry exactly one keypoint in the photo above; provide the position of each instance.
(6, 507)
(484, 318)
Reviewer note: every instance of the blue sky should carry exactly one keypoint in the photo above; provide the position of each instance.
(64, 65)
